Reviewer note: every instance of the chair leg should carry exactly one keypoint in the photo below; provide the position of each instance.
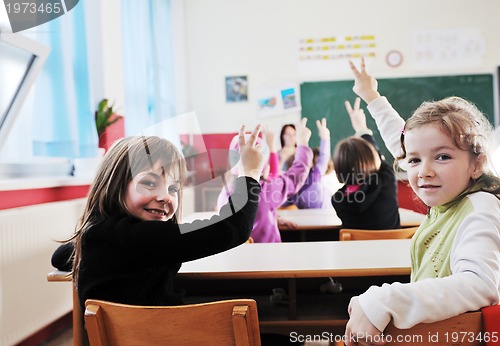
(79, 335)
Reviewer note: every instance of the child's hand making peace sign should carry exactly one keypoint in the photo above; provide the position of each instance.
(365, 86)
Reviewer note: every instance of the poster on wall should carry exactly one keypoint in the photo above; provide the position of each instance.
(278, 99)
(329, 55)
(236, 89)
(448, 48)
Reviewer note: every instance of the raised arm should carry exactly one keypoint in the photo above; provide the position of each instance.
(277, 190)
(365, 86)
(388, 120)
(251, 155)
(358, 122)
(358, 118)
(324, 149)
(274, 162)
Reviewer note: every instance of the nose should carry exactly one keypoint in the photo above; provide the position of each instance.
(426, 170)
(162, 195)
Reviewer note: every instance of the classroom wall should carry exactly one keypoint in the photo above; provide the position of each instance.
(259, 39)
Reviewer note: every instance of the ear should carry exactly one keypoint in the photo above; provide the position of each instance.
(478, 165)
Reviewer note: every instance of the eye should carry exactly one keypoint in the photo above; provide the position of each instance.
(413, 160)
(174, 189)
(148, 183)
(443, 157)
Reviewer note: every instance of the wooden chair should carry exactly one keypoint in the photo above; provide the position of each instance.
(453, 331)
(289, 207)
(227, 322)
(363, 234)
(79, 335)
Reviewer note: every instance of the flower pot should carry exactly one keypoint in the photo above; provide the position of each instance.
(112, 133)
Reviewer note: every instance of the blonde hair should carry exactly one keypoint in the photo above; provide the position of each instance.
(461, 120)
(124, 160)
(465, 124)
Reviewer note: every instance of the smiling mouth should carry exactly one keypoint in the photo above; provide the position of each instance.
(157, 212)
(429, 186)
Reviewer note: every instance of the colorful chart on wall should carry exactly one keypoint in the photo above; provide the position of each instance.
(278, 99)
(320, 56)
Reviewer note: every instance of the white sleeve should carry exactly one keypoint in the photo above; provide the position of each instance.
(389, 123)
(474, 283)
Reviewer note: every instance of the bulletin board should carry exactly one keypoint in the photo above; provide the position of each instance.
(326, 100)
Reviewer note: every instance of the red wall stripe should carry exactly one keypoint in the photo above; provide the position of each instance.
(22, 198)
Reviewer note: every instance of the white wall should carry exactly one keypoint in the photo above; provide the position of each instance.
(259, 38)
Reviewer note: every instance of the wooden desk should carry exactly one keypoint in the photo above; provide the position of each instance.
(291, 261)
(79, 334)
(324, 224)
(327, 219)
(305, 260)
(318, 220)
(297, 260)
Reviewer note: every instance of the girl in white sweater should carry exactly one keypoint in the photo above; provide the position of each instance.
(455, 253)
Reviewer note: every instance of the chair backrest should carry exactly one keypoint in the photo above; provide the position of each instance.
(220, 323)
(464, 329)
(364, 234)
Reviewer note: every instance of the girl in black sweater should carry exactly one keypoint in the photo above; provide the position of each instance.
(368, 199)
(129, 243)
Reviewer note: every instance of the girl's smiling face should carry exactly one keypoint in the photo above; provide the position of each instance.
(153, 195)
(438, 170)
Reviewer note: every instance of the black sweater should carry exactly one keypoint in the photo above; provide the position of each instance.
(129, 261)
(375, 204)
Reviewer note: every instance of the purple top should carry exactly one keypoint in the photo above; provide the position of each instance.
(274, 192)
(311, 194)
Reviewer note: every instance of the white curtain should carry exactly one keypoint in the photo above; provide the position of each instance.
(148, 63)
(63, 118)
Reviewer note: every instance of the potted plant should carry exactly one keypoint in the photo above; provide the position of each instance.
(105, 116)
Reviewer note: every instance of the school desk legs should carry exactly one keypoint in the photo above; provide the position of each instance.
(79, 334)
(292, 298)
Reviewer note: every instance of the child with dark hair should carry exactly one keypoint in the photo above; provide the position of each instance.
(276, 187)
(288, 141)
(130, 241)
(311, 194)
(368, 199)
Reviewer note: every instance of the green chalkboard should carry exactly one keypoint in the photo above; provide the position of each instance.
(326, 100)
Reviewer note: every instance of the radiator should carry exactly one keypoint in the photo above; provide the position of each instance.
(27, 240)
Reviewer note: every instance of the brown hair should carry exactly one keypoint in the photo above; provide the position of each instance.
(124, 160)
(354, 160)
(282, 133)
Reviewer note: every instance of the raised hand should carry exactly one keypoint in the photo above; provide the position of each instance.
(323, 131)
(251, 155)
(357, 115)
(365, 86)
(270, 140)
(302, 133)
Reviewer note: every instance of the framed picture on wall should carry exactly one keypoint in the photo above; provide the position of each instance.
(278, 99)
(236, 89)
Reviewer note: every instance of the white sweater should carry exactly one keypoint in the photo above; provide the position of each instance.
(474, 258)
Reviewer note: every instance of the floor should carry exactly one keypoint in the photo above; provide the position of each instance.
(63, 339)
(66, 339)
